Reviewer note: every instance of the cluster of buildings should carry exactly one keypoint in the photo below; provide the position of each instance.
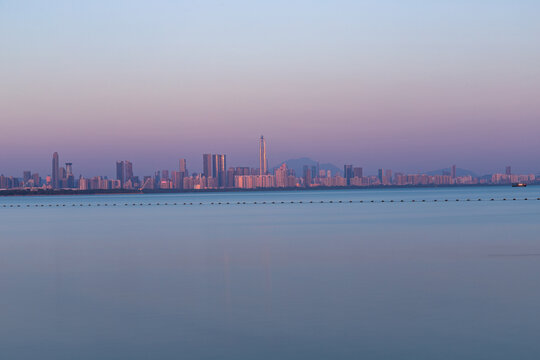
(216, 175)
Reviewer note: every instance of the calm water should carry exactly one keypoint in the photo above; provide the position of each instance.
(433, 280)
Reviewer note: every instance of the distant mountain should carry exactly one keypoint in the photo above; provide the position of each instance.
(459, 172)
(298, 165)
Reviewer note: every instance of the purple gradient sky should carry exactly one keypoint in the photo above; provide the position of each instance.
(411, 86)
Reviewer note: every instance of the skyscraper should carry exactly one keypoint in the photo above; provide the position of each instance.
(121, 172)
(183, 166)
(223, 170)
(27, 175)
(508, 170)
(70, 179)
(380, 175)
(453, 171)
(219, 164)
(207, 165)
(348, 173)
(128, 170)
(69, 169)
(307, 176)
(263, 162)
(164, 174)
(55, 171)
(358, 172)
(388, 176)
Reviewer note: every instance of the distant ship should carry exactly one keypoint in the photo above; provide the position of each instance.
(519, 185)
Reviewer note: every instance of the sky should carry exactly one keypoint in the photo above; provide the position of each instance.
(408, 85)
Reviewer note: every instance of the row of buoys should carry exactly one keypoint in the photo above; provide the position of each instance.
(261, 202)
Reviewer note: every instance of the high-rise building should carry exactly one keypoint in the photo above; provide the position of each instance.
(27, 175)
(124, 172)
(177, 179)
(164, 174)
(223, 170)
(55, 181)
(230, 177)
(215, 163)
(453, 171)
(307, 176)
(263, 161)
(281, 176)
(183, 166)
(348, 173)
(36, 179)
(121, 172)
(381, 175)
(207, 165)
(388, 176)
(508, 170)
(70, 179)
(358, 172)
(61, 174)
(219, 164)
(69, 169)
(128, 171)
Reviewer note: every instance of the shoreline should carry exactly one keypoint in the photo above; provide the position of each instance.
(74, 192)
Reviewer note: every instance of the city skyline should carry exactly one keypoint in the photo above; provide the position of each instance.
(214, 165)
(150, 165)
(215, 174)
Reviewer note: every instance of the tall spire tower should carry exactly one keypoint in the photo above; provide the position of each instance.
(55, 171)
(263, 162)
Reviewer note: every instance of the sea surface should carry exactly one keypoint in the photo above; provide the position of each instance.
(272, 275)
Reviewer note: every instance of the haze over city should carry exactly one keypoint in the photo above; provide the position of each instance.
(269, 179)
(412, 86)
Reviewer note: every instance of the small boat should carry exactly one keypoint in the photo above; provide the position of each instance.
(519, 185)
